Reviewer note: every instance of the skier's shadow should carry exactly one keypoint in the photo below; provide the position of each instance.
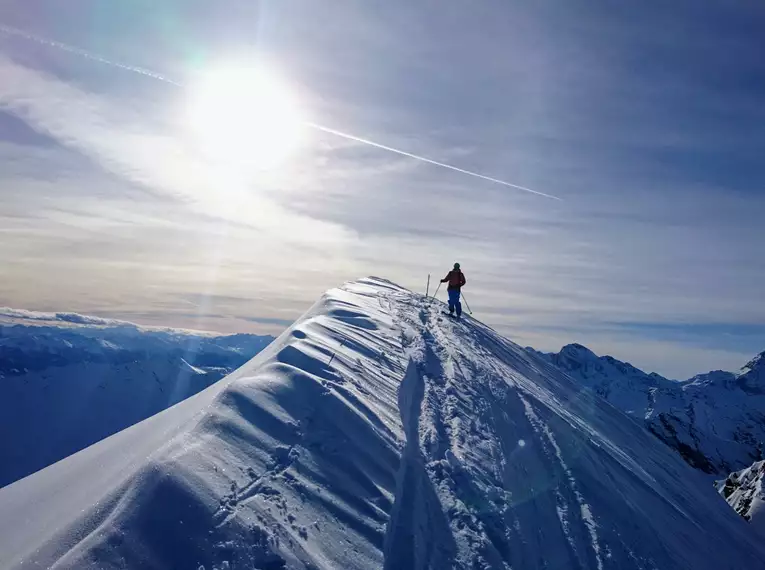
(418, 534)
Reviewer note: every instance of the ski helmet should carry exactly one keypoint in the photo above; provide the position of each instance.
(456, 266)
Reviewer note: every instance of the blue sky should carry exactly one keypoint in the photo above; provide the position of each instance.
(647, 120)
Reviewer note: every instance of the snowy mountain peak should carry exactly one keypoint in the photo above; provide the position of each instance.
(745, 492)
(575, 350)
(377, 433)
(588, 366)
(757, 363)
(752, 376)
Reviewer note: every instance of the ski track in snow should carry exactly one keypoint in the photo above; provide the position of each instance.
(584, 508)
(377, 433)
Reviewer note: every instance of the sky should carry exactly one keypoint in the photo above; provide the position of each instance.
(640, 125)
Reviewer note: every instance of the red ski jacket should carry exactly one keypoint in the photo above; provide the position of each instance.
(455, 278)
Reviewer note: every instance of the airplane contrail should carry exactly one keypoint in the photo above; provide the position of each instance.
(11, 31)
(84, 53)
(427, 160)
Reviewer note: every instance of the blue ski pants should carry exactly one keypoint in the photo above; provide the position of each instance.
(454, 301)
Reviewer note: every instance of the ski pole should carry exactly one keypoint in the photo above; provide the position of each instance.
(427, 289)
(437, 288)
(466, 304)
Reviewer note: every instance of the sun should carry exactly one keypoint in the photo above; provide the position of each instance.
(245, 116)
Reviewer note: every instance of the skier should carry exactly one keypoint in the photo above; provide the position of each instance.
(456, 279)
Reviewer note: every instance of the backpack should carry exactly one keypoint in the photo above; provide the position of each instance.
(456, 279)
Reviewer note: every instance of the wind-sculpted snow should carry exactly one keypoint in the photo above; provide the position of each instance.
(377, 433)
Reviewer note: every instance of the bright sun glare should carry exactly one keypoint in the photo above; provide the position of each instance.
(245, 115)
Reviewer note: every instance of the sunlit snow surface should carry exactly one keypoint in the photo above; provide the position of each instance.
(377, 433)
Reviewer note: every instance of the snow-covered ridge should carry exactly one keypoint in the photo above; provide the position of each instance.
(64, 388)
(378, 433)
(716, 421)
(745, 492)
(752, 377)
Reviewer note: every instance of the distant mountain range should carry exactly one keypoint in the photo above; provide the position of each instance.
(716, 421)
(67, 386)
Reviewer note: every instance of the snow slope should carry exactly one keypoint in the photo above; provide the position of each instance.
(377, 433)
(716, 421)
(62, 389)
(745, 492)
